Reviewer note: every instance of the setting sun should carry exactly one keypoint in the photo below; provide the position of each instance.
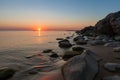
(39, 29)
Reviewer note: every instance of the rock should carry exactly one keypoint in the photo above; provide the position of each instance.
(69, 54)
(47, 51)
(30, 56)
(117, 38)
(115, 77)
(81, 42)
(59, 38)
(77, 48)
(87, 31)
(116, 49)
(110, 25)
(112, 66)
(102, 37)
(6, 73)
(64, 44)
(68, 37)
(54, 55)
(97, 42)
(78, 38)
(112, 44)
(80, 67)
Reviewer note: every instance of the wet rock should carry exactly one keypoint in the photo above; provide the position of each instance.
(47, 51)
(69, 54)
(80, 67)
(54, 55)
(112, 44)
(30, 56)
(116, 49)
(64, 44)
(112, 66)
(6, 73)
(59, 38)
(68, 37)
(115, 77)
(77, 48)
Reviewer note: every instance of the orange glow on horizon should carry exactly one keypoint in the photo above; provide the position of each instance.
(39, 29)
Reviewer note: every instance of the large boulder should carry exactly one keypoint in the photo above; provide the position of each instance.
(81, 67)
(110, 25)
(87, 31)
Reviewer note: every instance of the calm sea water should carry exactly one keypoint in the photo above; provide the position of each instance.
(29, 40)
(15, 46)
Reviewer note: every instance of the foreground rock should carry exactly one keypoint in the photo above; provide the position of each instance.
(81, 67)
(64, 44)
(112, 66)
(116, 77)
(6, 73)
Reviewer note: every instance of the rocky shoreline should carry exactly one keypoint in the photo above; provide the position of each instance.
(92, 53)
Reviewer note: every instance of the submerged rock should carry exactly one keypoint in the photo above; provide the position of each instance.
(115, 77)
(112, 66)
(47, 51)
(80, 67)
(6, 73)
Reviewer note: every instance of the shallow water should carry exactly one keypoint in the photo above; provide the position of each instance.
(15, 46)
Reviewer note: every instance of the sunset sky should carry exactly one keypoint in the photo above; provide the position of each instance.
(54, 14)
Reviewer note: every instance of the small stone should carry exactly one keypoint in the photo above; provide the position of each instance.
(116, 49)
(59, 38)
(116, 77)
(54, 55)
(112, 66)
(78, 48)
(47, 51)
